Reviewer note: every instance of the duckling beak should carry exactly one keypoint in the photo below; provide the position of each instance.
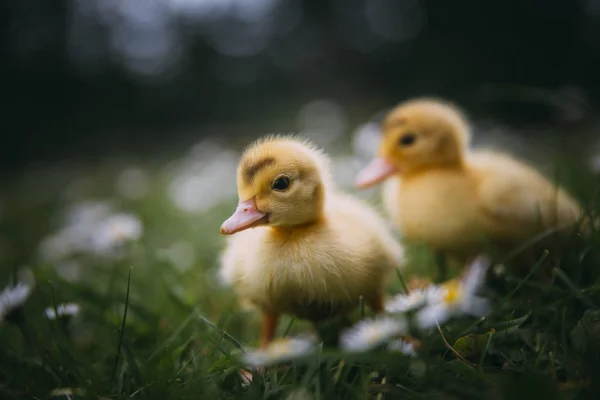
(375, 172)
(246, 216)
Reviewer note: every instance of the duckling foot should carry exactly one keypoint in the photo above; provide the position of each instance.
(246, 377)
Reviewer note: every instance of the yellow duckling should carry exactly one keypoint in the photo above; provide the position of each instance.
(313, 251)
(454, 200)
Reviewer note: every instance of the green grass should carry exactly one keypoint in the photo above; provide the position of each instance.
(155, 325)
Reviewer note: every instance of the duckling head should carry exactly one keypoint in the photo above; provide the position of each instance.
(281, 182)
(418, 135)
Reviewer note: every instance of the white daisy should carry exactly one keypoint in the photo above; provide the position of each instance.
(416, 298)
(63, 310)
(370, 333)
(195, 187)
(87, 213)
(12, 298)
(402, 346)
(115, 231)
(457, 297)
(90, 227)
(278, 350)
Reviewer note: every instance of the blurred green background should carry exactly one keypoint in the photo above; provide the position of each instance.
(122, 123)
(92, 84)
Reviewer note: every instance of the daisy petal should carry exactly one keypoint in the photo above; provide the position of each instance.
(12, 298)
(370, 333)
(407, 302)
(476, 275)
(402, 346)
(283, 349)
(433, 314)
(63, 310)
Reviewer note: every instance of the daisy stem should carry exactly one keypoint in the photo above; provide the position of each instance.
(449, 347)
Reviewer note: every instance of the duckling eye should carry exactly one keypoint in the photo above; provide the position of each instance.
(407, 139)
(281, 183)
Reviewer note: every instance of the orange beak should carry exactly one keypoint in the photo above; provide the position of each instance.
(375, 172)
(246, 216)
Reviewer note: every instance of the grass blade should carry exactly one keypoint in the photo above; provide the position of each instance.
(226, 335)
(122, 335)
(289, 327)
(402, 281)
(535, 267)
(171, 338)
(576, 291)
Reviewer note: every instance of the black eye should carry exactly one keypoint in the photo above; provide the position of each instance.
(281, 183)
(407, 139)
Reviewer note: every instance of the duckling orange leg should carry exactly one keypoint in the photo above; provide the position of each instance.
(267, 332)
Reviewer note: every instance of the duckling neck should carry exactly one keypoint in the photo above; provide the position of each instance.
(287, 230)
(455, 165)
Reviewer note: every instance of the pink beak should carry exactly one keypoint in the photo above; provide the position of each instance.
(376, 171)
(246, 216)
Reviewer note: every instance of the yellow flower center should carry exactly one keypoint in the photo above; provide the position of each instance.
(279, 347)
(453, 292)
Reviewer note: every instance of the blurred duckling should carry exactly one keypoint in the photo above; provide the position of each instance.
(456, 201)
(299, 246)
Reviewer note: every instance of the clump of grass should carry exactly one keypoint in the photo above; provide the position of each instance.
(160, 330)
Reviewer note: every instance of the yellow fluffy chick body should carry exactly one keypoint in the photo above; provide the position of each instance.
(458, 200)
(321, 250)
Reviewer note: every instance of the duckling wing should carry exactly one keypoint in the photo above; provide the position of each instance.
(516, 197)
(365, 229)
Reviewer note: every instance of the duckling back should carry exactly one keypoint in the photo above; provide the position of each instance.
(520, 196)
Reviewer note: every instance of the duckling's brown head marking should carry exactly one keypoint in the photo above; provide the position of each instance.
(251, 169)
(418, 135)
(281, 182)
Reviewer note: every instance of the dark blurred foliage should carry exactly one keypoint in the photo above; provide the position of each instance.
(461, 49)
